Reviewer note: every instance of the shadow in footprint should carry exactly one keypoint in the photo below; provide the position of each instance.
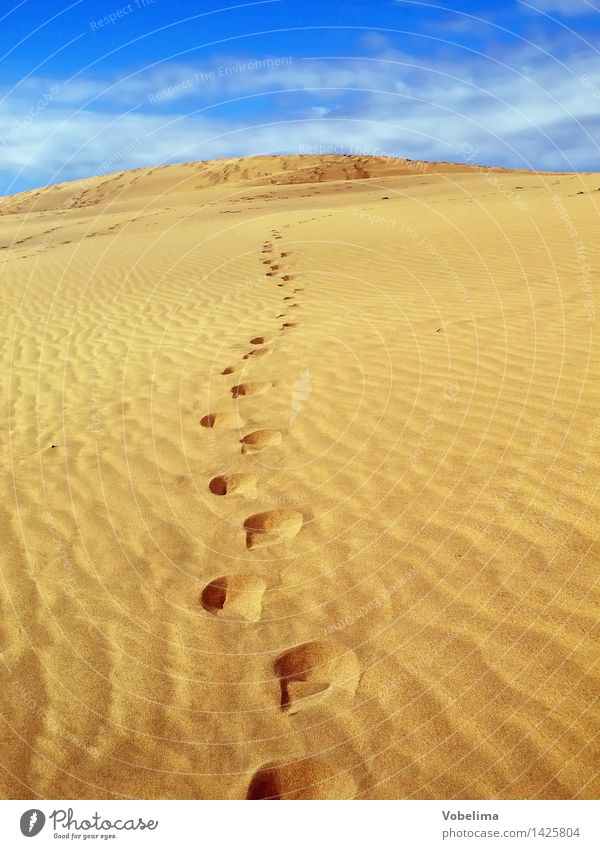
(235, 597)
(311, 778)
(313, 671)
(247, 390)
(258, 352)
(224, 420)
(258, 440)
(272, 527)
(236, 484)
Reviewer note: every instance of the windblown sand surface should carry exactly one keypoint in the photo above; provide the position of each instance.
(300, 462)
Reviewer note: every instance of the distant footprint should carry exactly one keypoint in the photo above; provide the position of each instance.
(313, 671)
(222, 420)
(297, 290)
(246, 390)
(229, 370)
(236, 484)
(274, 267)
(258, 340)
(258, 440)
(235, 597)
(310, 778)
(287, 277)
(272, 527)
(284, 254)
(258, 352)
(287, 325)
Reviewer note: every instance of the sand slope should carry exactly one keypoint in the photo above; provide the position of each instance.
(300, 462)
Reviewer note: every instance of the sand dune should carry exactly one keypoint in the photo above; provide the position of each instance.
(300, 463)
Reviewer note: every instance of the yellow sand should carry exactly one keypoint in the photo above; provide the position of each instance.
(436, 392)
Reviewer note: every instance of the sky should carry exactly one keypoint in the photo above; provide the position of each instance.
(90, 88)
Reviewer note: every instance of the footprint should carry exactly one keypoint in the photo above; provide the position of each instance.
(238, 484)
(297, 290)
(287, 277)
(258, 440)
(272, 527)
(281, 315)
(310, 778)
(246, 390)
(284, 254)
(271, 274)
(274, 267)
(313, 671)
(287, 324)
(288, 298)
(258, 340)
(224, 420)
(229, 370)
(235, 597)
(258, 352)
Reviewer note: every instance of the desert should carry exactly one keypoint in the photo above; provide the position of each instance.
(300, 473)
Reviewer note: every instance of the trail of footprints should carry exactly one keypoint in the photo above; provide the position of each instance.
(308, 674)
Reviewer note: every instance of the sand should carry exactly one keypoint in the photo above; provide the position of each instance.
(300, 460)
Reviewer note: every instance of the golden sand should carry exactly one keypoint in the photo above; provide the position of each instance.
(300, 463)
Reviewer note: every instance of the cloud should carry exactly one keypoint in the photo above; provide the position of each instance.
(566, 8)
(533, 110)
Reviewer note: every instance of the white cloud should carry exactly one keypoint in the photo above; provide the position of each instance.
(530, 112)
(567, 8)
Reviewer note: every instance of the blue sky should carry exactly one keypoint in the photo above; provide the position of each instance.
(94, 87)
